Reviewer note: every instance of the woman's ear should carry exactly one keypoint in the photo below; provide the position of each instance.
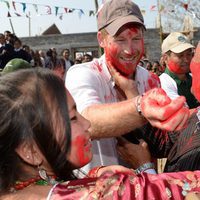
(101, 39)
(29, 153)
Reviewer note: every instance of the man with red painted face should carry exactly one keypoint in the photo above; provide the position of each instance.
(176, 80)
(111, 110)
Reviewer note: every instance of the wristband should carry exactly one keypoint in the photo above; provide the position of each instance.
(138, 105)
(144, 167)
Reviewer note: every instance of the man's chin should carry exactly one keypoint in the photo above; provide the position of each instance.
(126, 74)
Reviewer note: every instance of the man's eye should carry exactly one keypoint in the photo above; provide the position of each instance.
(136, 39)
(119, 40)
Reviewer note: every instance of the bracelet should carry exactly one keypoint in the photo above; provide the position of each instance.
(138, 105)
(144, 167)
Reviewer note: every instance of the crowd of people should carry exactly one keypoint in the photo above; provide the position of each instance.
(97, 131)
(11, 47)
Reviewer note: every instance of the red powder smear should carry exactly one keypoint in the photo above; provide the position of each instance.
(195, 69)
(153, 81)
(173, 67)
(156, 97)
(131, 31)
(79, 143)
(173, 119)
(159, 134)
(96, 65)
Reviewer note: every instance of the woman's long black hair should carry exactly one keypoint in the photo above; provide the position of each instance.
(33, 106)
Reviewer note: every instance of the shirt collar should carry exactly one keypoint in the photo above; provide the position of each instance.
(174, 76)
(105, 70)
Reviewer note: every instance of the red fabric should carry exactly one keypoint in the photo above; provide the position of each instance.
(124, 186)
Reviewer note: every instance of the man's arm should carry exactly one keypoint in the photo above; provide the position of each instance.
(114, 119)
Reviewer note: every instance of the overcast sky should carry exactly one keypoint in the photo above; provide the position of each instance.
(73, 22)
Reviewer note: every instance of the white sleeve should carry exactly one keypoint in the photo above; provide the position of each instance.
(169, 85)
(83, 84)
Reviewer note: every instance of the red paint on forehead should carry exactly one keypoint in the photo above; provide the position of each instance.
(131, 31)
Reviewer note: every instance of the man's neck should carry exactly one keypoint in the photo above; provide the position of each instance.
(182, 77)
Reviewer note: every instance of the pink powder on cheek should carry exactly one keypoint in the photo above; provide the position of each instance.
(79, 144)
(175, 68)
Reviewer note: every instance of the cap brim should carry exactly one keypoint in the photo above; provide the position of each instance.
(181, 47)
(114, 26)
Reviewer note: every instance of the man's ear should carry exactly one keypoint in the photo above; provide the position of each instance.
(101, 39)
(29, 153)
(165, 58)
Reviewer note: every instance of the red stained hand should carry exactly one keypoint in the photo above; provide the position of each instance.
(164, 113)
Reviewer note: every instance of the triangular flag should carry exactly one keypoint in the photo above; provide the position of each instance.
(152, 8)
(185, 5)
(91, 12)
(48, 10)
(17, 14)
(56, 10)
(7, 3)
(61, 17)
(35, 7)
(24, 6)
(8, 15)
(66, 10)
(13, 3)
(71, 10)
(80, 13)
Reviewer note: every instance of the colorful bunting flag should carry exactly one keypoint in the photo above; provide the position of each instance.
(18, 15)
(7, 3)
(13, 3)
(56, 10)
(152, 8)
(185, 5)
(36, 8)
(91, 12)
(23, 7)
(48, 10)
(61, 16)
(8, 15)
(80, 13)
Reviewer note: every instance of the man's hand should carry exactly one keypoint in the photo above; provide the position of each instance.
(127, 85)
(162, 112)
(134, 154)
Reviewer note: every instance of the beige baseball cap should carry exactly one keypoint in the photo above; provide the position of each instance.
(176, 42)
(113, 14)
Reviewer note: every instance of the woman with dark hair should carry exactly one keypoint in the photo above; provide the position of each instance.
(39, 149)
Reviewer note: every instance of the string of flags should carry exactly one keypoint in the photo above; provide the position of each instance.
(178, 8)
(22, 9)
